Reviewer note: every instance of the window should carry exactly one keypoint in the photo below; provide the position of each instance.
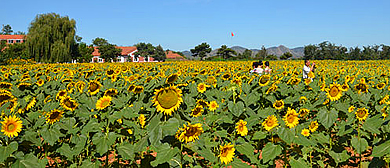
(100, 60)
(17, 41)
(10, 41)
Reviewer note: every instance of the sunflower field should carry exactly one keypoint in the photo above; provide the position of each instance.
(195, 114)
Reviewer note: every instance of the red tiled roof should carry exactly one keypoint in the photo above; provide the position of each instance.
(171, 55)
(125, 50)
(5, 37)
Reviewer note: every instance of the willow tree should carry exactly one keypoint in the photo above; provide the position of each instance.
(51, 38)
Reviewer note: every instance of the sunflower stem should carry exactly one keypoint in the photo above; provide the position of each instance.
(181, 155)
(311, 161)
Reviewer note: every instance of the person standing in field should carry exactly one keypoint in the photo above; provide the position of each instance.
(267, 70)
(307, 68)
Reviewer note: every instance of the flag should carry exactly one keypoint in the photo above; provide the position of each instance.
(232, 34)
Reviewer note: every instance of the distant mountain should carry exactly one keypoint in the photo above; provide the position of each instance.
(278, 51)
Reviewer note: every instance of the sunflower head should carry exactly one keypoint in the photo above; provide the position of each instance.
(270, 122)
(351, 108)
(334, 92)
(197, 111)
(68, 103)
(213, 105)
(11, 126)
(54, 116)
(167, 99)
(291, 118)
(279, 104)
(305, 132)
(5, 85)
(202, 103)
(264, 80)
(94, 87)
(172, 78)
(103, 102)
(226, 153)
(313, 126)
(189, 133)
(138, 89)
(303, 112)
(381, 85)
(111, 92)
(361, 114)
(241, 128)
(202, 87)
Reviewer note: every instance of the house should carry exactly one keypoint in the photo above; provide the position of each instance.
(127, 55)
(174, 56)
(11, 39)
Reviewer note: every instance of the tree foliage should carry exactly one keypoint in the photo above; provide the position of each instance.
(159, 54)
(84, 52)
(201, 50)
(329, 51)
(51, 38)
(6, 30)
(144, 50)
(286, 55)
(225, 52)
(262, 54)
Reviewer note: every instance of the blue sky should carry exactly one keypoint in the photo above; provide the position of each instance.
(183, 24)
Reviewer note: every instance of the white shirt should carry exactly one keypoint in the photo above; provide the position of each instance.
(305, 71)
(258, 70)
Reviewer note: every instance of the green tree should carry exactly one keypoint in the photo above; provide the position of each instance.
(262, 54)
(159, 54)
(310, 51)
(271, 57)
(385, 54)
(51, 38)
(6, 30)
(144, 50)
(2, 53)
(247, 54)
(201, 50)
(225, 52)
(99, 41)
(19, 33)
(84, 52)
(109, 52)
(286, 55)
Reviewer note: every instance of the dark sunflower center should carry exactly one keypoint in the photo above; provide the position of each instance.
(279, 104)
(362, 87)
(172, 78)
(361, 113)
(11, 127)
(197, 110)
(201, 87)
(93, 86)
(54, 115)
(264, 80)
(225, 151)
(334, 91)
(290, 118)
(270, 123)
(110, 72)
(4, 97)
(191, 131)
(167, 98)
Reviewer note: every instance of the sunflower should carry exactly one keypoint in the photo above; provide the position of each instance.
(189, 133)
(54, 116)
(307, 81)
(380, 85)
(361, 113)
(241, 128)
(303, 112)
(70, 87)
(31, 104)
(351, 109)
(172, 78)
(197, 111)
(202, 87)
(5, 85)
(344, 87)
(202, 103)
(264, 80)
(138, 89)
(23, 86)
(305, 132)
(334, 92)
(167, 99)
(226, 76)
(110, 72)
(40, 82)
(131, 88)
(68, 103)
(129, 131)
(311, 75)
(270, 122)
(80, 86)
(211, 81)
(237, 81)
(302, 99)
(5, 96)
(313, 126)
(94, 87)
(103, 102)
(213, 105)
(111, 92)
(226, 153)
(141, 120)
(279, 104)
(361, 87)
(11, 126)
(273, 88)
(61, 94)
(291, 118)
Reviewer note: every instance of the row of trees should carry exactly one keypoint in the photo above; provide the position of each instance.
(7, 30)
(148, 50)
(327, 50)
